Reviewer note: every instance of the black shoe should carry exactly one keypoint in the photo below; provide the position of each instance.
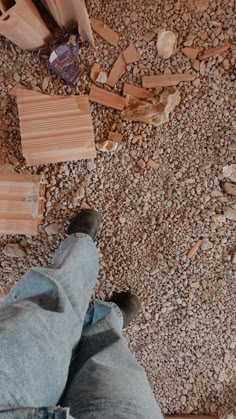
(129, 304)
(86, 221)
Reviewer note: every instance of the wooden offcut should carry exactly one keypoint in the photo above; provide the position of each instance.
(166, 80)
(131, 54)
(136, 91)
(55, 128)
(214, 51)
(105, 32)
(21, 203)
(117, 71)
(191, 53)
(103, 97)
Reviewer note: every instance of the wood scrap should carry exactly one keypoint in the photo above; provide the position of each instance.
(107, 146)
(194, 249)
(165, 80)
(191, 53)
(103, 97)
(153, 164)
(141, 163)
(214, 51)
(117, 71)
(105, 32)
(115, 136)
(136, 91)
(95, 71)
(131, 54)
(229, 188)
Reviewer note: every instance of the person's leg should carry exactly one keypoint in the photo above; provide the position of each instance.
(105, 380)
(41, 321)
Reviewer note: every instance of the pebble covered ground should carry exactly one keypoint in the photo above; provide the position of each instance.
(185, 336)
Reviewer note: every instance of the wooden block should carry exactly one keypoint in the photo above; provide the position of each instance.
(103, 97)
(23, 25)
(165, 80)
(105, 32)
(21, 203)
(153, 164)
(117, 71)
(115, 136)
(136, 91)
(214, 51)
(194, 249)
(55, 128)
(131, 54)
(191, 53)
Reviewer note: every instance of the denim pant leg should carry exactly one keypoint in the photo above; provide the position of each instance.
(41, 321)
(105, 380)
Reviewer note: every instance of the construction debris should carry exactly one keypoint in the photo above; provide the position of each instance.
(141, 163)
(131, 54)
(153, 164)
(105, 32)
(230, 172)
(21, 203)
(229, 188)
(166, 44)
(230, 213)
(55, 128)
(191, 53)
(21, 23)
(136, 91)
(107, 146)
(115, 136)
(194, 249)
(151, 111)
(165, 80)
(64, 60)
(214, 51)
(149, 36)
(103, 97)
(95, 71)
(69, 13)
(102, 77)
(117, 71)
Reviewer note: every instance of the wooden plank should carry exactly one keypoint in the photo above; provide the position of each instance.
(131, 54)
(103, 97)
(105, 32)
(136, 91)
(165, 80)
(214, 51)
(117, 71)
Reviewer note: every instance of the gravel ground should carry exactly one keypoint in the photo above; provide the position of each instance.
(185, 335)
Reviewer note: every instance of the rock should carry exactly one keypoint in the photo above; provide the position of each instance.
(229, 188)
(198, 5)
(230, 213)
(197, 83)
(154, 111)
(91, 165)
(141, 163)
(126, 21)
(45, 83)
(149, 36)
(230, 172)
(183, 399)
(2, 295)
(16, 77)
(134, 17)
(52, 228)
(234, 259)
(95, 71)
(102, 77)
(166, 43)
(14, 250)
(107, 146)
(206, 244)
(79, 194)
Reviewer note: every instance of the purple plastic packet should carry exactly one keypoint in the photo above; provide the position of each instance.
(64, 60)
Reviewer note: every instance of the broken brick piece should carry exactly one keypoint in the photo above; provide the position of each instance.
(21, 22)
(153, 164)
(136, 91)
(55, 128)
(95, 71)
(165, 80)
(194, 249)
(117, 71)
(191, 53)
(115, 136)
(21, 203)
(105, 32)
(131, 54)
(141, 163)
(103, 97)
(214, 51)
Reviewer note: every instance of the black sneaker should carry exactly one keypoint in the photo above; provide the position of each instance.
(87, 221)
(128, 303)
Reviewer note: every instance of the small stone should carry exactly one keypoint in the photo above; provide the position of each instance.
(226, 64)
(79, 194)
(2, 295)
(222, 376)
(166, 43)
(134, 17)
(230, 172)
(234, 259)
(195, 284)
(206, 244)
(107, 146)
(197, 83)
(230, 213)
(229, 188)
(149, 36)
(102, 77)
(45, 83)
(141, 163)
(52, 229)
(91, 165)
(13, 250)
(126, 21)
(183, 399)
(16, 77)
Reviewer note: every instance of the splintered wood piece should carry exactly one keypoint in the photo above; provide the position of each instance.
(191, 53)
(136, 91)
(95, 71)
(103, 97)
(194, 249)
(21, 203)
(55, 128)
(153, 164)
(115, 136)
(131, 54)
(105, 32)
(214, 51)
(21, 22)
(165, 80)
(117, 71)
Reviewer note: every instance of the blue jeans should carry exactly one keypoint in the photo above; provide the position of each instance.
(53, 354)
